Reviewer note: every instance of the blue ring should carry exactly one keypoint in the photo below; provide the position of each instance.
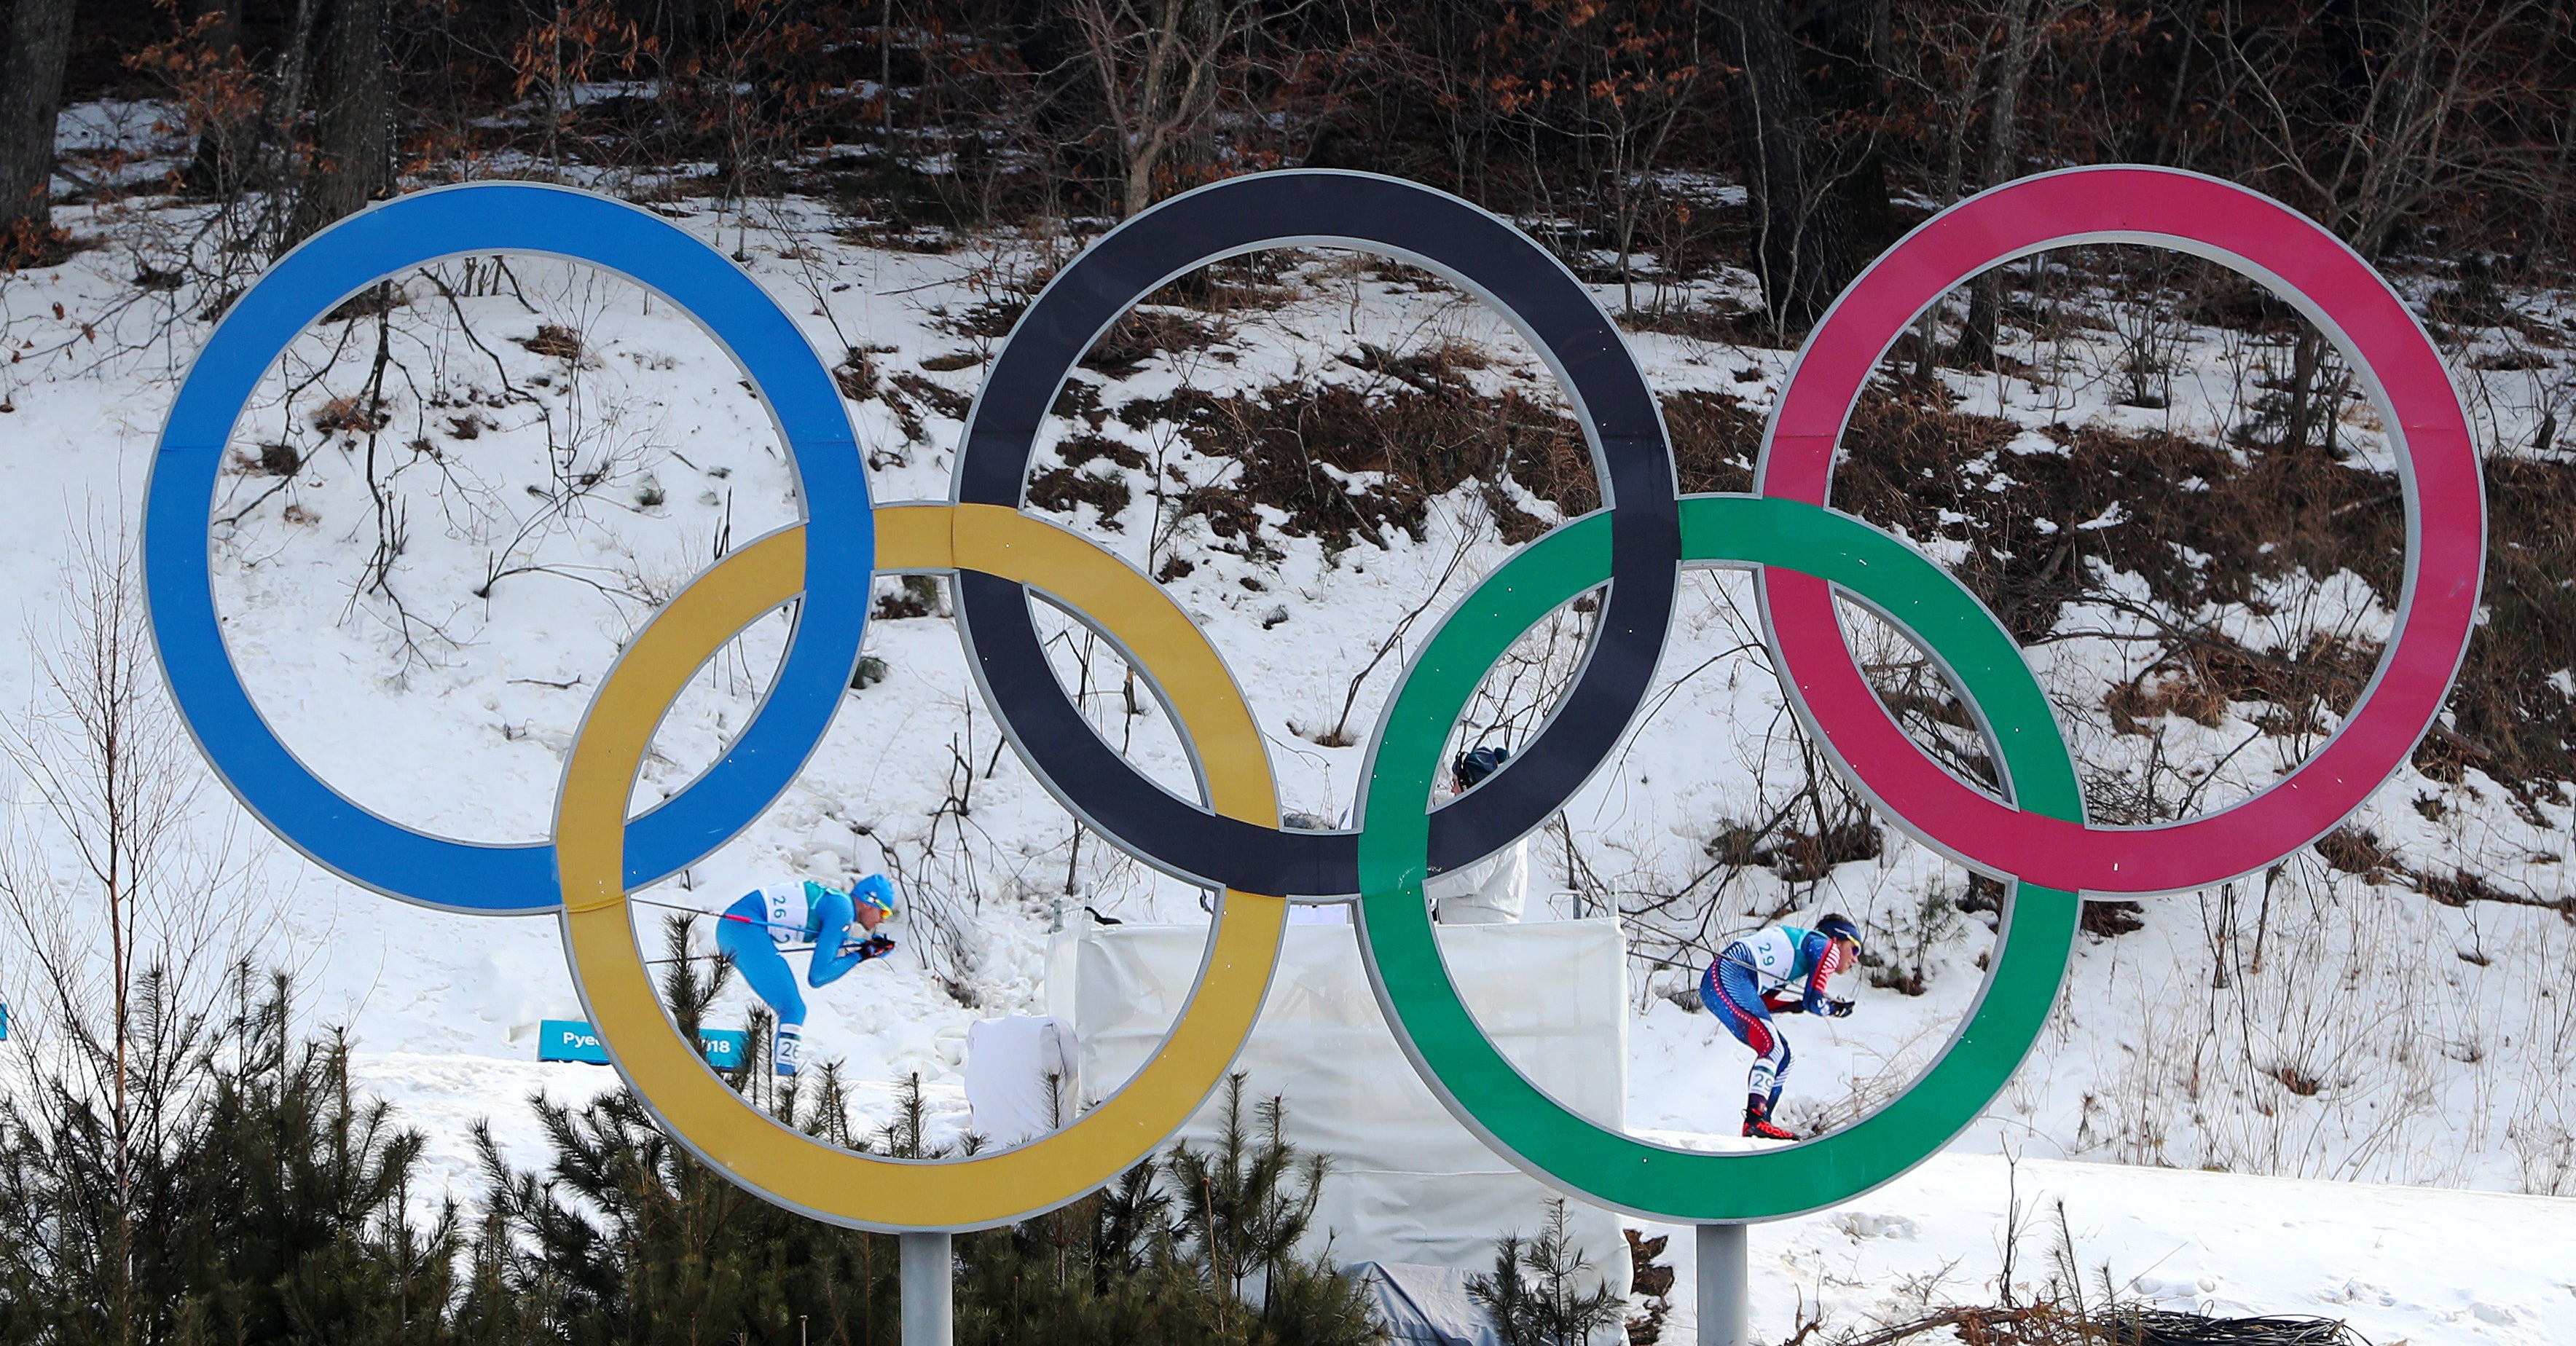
(840, 538)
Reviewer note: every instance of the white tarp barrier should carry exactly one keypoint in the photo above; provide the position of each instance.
(1014, 1067)
(1426, 1306)
(1409, 1183)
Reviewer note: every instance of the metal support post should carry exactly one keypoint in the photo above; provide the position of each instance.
(1725, 1280)
(929, 1287)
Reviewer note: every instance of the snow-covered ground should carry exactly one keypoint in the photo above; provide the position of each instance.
(424, 624)
(2400, 1264)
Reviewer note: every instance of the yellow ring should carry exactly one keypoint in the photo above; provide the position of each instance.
(871, 1191)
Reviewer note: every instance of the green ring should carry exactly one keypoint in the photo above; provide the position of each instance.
(1521, 1122)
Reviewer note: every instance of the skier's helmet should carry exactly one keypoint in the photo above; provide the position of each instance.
(1478, 763)
(874, 891)
(1839, 927)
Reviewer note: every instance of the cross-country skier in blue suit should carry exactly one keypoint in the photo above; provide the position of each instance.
(1782, 970)
(755, 929)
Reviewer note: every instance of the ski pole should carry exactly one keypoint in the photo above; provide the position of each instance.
(721, 916)
(692, 957)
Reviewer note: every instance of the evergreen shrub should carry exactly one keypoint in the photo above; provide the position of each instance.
(252, 1195)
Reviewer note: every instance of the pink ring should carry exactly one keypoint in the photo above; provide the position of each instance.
(2437, 463)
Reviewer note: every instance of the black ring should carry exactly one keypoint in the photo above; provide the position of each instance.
(1417, 225)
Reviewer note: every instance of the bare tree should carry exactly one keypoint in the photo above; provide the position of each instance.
(2397, 136)
(106, 851)
(353, 124)
(215, 90)
(2403, 129)
(2023, 26)
(1799, 244)
(1619, 89)
(31, 88)
(1944, 62)
(1161, 66)
(1646, 105)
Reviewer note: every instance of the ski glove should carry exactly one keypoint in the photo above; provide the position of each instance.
(876, 946)
(1840, 1009)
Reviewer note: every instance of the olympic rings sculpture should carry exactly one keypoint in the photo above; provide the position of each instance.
(2033, 831)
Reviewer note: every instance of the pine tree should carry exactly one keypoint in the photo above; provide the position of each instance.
(1198, 1246)
(278, 1205)
(1535, 1296)
(272, 1201)
(629, 1238)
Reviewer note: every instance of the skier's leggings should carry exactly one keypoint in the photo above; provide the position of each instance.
(757, 958)
(1730, 993)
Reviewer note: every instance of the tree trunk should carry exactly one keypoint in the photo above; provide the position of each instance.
(31, 91)
(1798, 244)
(1138, 192)
(222, 146)
(2302, 415)
(2003, 152)
(352, 160)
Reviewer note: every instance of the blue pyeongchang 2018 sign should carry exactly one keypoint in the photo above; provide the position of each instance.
(573, 1040)
(724, 1048)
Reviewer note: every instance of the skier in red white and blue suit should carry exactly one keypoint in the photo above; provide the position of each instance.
(1782, 970)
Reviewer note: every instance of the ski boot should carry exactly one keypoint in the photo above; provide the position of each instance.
(1757, 1122)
